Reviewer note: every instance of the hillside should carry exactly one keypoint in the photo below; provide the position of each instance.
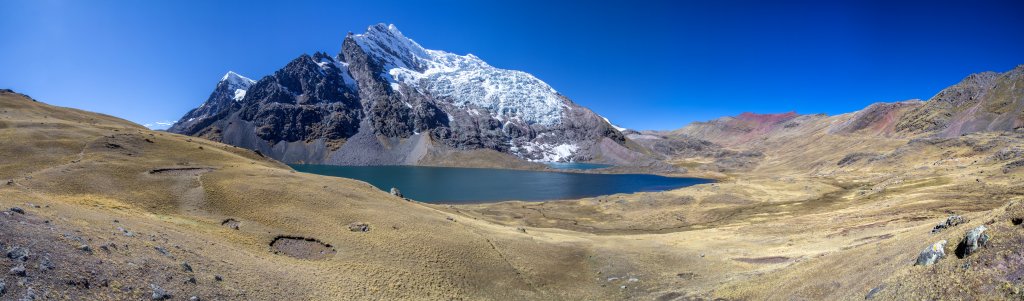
(112, 209)
(808, 207)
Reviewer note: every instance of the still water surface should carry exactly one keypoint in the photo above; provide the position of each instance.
(479, 185)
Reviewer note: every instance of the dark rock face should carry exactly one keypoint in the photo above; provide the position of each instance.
(228, 91)
(973, 240)
(386, 100)
(306, 100)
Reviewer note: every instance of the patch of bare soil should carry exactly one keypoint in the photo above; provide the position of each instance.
(180, 171)
(302, 247)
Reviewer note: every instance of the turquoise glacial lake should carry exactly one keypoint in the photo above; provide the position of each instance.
(448, 185)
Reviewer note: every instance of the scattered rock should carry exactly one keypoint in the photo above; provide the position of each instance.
(193, 298)
(521, 229)
(19, 270)
(973, 240)
(932, 253)
(107, 246)
(18, 254)
(450, 218)
(185, 266)
(85, 248)
(83, 283)
(30, 294)
(951, 221)
(359, 227)
(159, 293)
(191, 280)
(45, 264)
(218, 278)
(231, 223)
(3, 287)
(10, 182)
(874, 291)
(162, 251)
(396, 192)
(17, 210)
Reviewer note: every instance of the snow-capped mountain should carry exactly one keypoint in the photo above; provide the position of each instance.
(465, 81)
(230, 88)
(387, 100)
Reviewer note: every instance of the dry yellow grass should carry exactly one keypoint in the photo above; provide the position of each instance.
(797, 227)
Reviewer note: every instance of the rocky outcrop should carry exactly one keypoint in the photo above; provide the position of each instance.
(384, 99)
(973, 240)
(986, 101)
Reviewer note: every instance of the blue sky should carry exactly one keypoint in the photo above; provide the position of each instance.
(644, 65)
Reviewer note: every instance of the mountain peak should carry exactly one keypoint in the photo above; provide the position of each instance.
(236, 79)
(386, 43)
(236, 84)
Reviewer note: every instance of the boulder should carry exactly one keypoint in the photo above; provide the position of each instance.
(396, 192)
(159, 293)
(18, 254)
(359, 227)
(874, 291)
(932, 253)
(19, 270)
(973, 240)
(951, 221)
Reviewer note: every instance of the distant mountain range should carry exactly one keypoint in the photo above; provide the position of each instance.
(384, 99)
(982, 102)
(986, 101)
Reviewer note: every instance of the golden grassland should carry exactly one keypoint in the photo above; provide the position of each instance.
(799, 226)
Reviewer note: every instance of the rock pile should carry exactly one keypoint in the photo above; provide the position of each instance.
(951, 221)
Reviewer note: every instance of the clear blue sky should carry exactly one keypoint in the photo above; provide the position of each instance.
(645, 65)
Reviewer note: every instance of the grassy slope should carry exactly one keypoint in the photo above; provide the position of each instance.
(85, 170)
(800, 226)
